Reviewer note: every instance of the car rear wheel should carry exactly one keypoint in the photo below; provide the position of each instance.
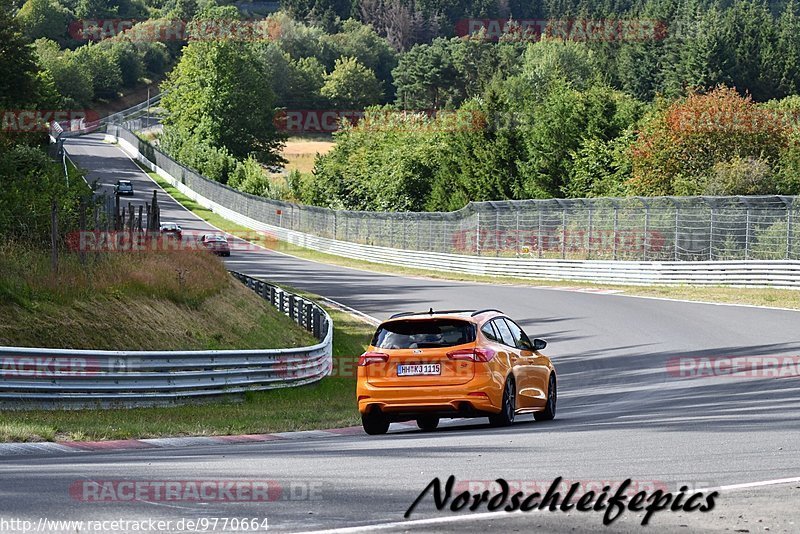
(506, 415)
(549, 412)
(428, 423)
(374, 423)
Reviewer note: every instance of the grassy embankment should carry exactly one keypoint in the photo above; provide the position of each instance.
(141, 301)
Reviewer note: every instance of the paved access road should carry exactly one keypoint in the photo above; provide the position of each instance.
(621, 414)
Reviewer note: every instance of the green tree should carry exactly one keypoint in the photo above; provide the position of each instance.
(426, 78)
(788, 49)
(18, 82)
(351, 85)
(362, 42)
(72, 78)
(217, 95)
(44, 18)
(306, 78)
(101, 62)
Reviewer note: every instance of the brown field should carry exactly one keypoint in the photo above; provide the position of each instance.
(302, 151)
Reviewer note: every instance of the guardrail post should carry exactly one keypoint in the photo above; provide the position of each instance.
(282, 306)
(292, 309)
(307, 315)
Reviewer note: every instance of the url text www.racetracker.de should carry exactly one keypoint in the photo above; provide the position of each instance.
(603, 500)
(121, 525)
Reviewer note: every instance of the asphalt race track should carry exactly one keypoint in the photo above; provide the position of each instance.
(621, 415)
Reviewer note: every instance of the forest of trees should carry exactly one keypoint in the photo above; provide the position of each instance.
(707, 104)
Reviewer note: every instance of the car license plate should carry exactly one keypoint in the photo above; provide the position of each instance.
(419, 369)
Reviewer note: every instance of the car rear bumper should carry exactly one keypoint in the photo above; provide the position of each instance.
(473, 399)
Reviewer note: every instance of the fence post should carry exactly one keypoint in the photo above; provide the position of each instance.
(789, 232)
(591, 230)
(478, 234)
(563, 233)
(747, 235)
(539, 232)
(711, 236)
(677, 219)
(646, 231)
(496, 231)
(54, 236)
(616, 230)
(516, 233)
(82, 228)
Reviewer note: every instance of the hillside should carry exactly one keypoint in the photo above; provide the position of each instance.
(153, 301)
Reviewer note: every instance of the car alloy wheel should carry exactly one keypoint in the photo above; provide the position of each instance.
(506, 415)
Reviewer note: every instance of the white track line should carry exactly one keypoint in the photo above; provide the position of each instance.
(499, 515)
(352, 311)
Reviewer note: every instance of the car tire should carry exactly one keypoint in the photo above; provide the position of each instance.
(227, 254)
(549, 412)
(509, 406)
(427, 423)
(375, 424)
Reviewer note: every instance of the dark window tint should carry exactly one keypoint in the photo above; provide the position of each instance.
(505, 333)
(431, 333)
(489, 331)
(521, 341)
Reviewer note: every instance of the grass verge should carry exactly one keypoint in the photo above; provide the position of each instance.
(134, 301)
(329, 403)
(784, 298)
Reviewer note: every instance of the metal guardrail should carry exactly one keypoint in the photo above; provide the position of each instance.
(248, 211)
(624, 229)
(58, 378)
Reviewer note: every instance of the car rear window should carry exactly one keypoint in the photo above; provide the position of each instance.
(424, 334)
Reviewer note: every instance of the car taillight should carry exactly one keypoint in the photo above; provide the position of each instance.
(372, 357)
(472, 355)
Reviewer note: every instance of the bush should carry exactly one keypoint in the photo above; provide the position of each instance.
(684, 148)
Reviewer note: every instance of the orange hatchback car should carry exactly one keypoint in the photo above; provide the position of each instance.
(453, 364)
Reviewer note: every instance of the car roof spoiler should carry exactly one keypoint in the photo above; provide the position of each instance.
(438, 312)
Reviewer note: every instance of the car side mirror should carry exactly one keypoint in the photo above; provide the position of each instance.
(539, 344)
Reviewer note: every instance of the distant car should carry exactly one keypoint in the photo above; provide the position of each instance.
(216, 243)
(123, 187)
(171, 229)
